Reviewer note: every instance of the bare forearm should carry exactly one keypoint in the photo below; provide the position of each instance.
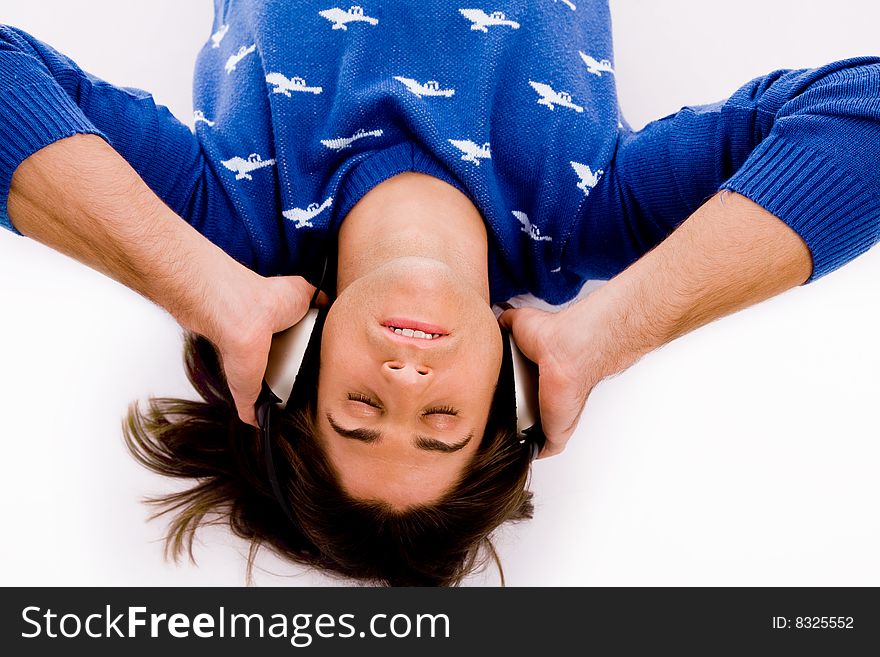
(728, 255)
(78, 196)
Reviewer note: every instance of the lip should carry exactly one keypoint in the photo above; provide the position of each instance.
(401, 322)
(421, 343)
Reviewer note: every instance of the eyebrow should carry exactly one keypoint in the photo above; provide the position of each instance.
(421, 442)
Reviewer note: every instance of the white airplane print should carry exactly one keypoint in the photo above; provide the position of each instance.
(243, 167)
(529, 228)
(199, 115)
(284, 85)
(550, 97)
(596, 67)
(588, 178)
(481, 21)
(302, 218)
(472, 152)
(233, 60)
(341, 143)
(429, 88)
(340, 17)
(217, 37)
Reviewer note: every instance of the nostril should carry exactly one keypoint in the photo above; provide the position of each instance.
(396, 365)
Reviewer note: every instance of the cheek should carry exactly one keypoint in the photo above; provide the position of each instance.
(491, 370)
(484, 357)
(341, 351)
(328, 375)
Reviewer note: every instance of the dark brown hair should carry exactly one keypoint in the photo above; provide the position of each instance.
(436, 544)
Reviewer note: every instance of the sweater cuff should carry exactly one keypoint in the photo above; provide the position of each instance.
(33, 116)
(833, 210)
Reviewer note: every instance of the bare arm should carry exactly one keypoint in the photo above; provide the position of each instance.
(729, 254)
(79, 197)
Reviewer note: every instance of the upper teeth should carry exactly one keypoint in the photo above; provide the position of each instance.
(414, 334)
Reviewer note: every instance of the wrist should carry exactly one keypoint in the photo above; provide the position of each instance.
(609, 341)
(730, 254)
(220, 299)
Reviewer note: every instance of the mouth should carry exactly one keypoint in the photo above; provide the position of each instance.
(412, 330)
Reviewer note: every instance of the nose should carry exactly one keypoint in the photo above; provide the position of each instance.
(405, 372)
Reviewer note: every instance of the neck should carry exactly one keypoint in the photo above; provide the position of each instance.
(413, 215)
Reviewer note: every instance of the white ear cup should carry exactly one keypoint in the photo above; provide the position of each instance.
(286, 355)
(525, 381)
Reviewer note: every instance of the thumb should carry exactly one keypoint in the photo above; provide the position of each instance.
(526, 326)
(298, 282)
(323, 300)
(244, 365)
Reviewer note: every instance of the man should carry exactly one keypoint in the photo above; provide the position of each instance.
(646, 311)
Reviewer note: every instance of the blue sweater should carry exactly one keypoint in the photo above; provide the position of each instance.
(302, 107)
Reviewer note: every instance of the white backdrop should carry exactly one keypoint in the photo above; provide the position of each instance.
(745, 453)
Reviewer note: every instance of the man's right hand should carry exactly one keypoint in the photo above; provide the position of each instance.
(136, 239)
(241, 324)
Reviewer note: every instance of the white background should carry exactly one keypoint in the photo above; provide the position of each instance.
(745, 453)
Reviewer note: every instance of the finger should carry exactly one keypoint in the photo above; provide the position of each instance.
(506, 318)
(246, 408)
(553, 446)
(249, 417)
(509, 317)
(559, 423)
(245, 405)
(550, 446)
(526, 325)
(562, 403)
(322, 301)
(550, 450)
(245, 366)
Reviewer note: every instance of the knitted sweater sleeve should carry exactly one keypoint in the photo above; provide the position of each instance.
(45, 96)
(800, 143)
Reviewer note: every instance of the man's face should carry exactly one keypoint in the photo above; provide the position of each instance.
(400, 415)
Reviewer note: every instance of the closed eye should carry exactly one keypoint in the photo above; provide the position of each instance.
(434, 410)
(356, 396)
(441, 410)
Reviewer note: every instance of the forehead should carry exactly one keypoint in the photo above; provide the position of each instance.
(393, 471)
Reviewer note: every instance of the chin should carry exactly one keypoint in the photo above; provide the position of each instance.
(424, 280)
(418, 266)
